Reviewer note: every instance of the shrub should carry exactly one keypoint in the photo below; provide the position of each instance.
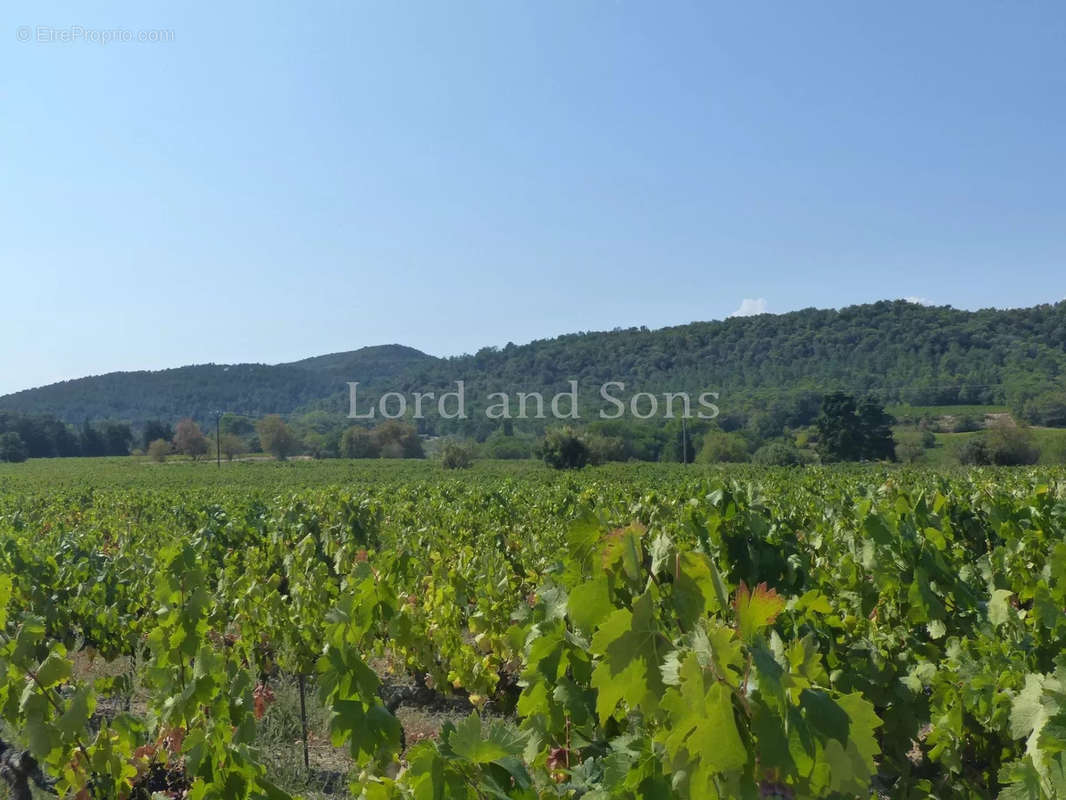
(276, 437)
(392, 450)
(1011, 445)
(397, 439)
(507, 447)
(12, 448)
(562, 448)
(356, 442)
(719, 446)
(909, 448)
(605, 448)
(158, 450)
(456, 455)
(1048, 409)
(965, 423)
(232, 446)
(1004, 445)
(778, 454)
(189, 440)
(975, 453)
(318, 445)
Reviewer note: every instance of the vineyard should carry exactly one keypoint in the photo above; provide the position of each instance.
(634, 631)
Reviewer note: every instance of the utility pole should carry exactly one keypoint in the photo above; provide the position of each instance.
(218, 438)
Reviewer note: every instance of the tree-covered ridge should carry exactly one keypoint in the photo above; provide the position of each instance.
(902, 350)
(366, 363)
(897, 350)
(199, 391)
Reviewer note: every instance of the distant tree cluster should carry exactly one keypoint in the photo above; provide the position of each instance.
(1047, 408)
(390, 439)
(47, 437)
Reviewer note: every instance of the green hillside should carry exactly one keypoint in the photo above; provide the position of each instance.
(767, 364)
(198, 391)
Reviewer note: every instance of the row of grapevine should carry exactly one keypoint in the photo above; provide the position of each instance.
(619, 634)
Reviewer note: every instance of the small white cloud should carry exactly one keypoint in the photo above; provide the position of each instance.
(749, 307)
(918, 301)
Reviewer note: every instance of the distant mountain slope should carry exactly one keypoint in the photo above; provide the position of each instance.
(198, 391)
(899, 350)
(366, 363)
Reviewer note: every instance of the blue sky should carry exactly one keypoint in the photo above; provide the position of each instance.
(280, 181)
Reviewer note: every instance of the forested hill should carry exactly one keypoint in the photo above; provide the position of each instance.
(200, 390)
(898, 350)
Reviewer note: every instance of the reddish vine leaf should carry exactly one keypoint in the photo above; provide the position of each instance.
(756, 609)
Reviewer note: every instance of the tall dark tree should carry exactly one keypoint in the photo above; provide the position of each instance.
(155, 429)
(118, 438)
(91, 442)
(875, 426)
(839, 435)
(850, 431)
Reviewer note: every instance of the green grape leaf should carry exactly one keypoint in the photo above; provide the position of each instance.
(693, 591)
(1022, 779)
(756, 609)
(701, 721)
(815, 601)
(1028, 712)
(590, 603)
(825, 715)
(78, 712)
(554, 599)
(632, 650)
(772, 741)
(624, 545)
(998, 607)
(879, 529)
(499, 742)
(662, 547)
(367, 729)
(54, 669)
(852, 765)
(717, 644)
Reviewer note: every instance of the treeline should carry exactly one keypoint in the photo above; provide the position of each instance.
(25, 436)
(763, 365)
(838, 427)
